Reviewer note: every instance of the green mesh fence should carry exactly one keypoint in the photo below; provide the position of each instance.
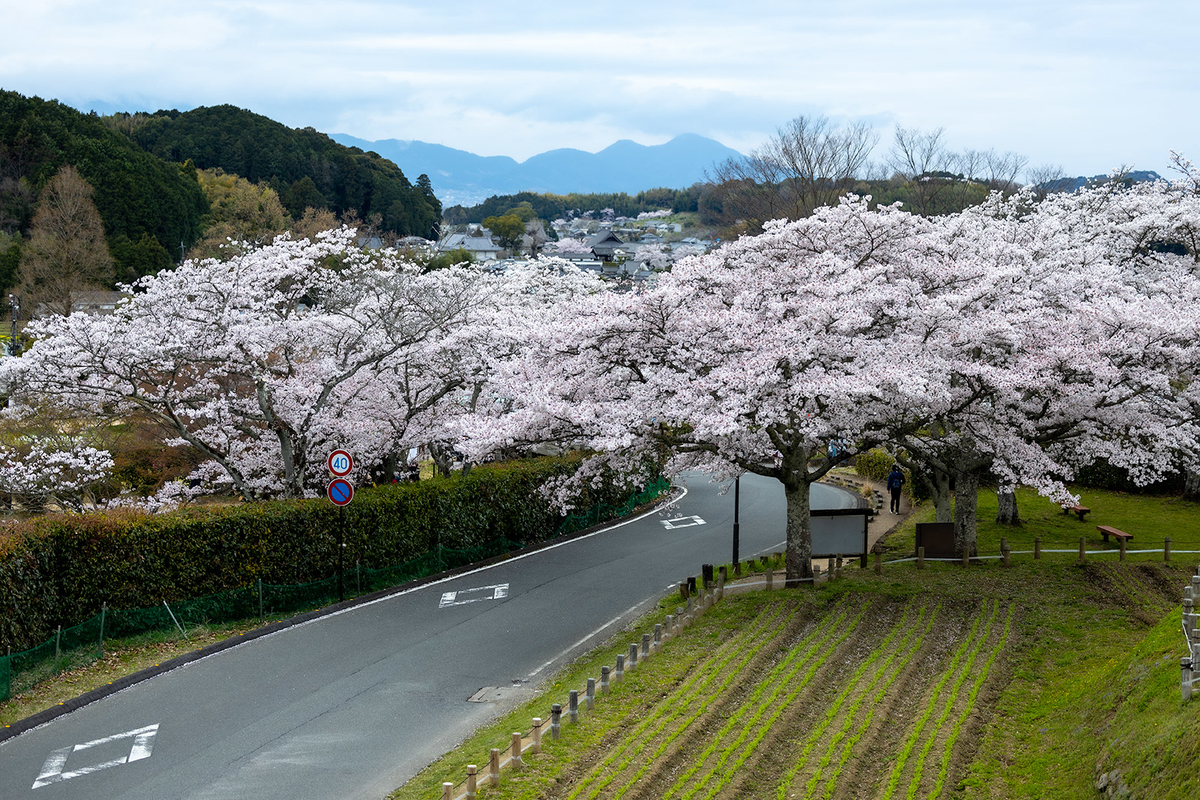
(602, 512)
(84, 643)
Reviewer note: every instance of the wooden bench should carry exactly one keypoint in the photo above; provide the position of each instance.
(1107, 530)
(1080, 511)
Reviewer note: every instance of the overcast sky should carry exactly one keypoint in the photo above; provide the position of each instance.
(1089, 86)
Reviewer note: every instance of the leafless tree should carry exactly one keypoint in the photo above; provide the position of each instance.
(810, 162)
(922, 159)
(67, 252)
(1048, 179)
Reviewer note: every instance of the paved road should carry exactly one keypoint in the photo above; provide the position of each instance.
(353, 704)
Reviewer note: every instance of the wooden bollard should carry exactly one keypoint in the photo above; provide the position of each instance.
(966, 557)
(706, 570)
(921, 557)
(645, 646)
(658, 634)
(604, 680)
(447, 791)
(1121, 544)
(721, 584)
(494, 768)
(737, 569)
(1185, 682)
(1005, 552)
(535, 746)
(620, 668)
(516, 762)
(683, 590)
(691, 585)
(590, 697)
(1082, 550)
(472, 792)
(573, 705)
(1189, 620)
(555, 720)
(1167, 549)
(633, 654)
(1037, 548)
(837, 566)
(770, 579)
(878, 563)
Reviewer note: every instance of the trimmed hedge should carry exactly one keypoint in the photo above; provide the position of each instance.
(61, 569)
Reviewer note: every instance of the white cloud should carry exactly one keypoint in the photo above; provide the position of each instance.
(1089, 85)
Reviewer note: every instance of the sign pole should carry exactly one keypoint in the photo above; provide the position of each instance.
(341, 553)
(737, 501)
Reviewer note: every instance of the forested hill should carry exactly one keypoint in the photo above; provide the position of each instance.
(304, 166)
(149, 207)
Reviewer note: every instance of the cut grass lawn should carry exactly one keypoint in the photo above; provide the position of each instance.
(990, 682)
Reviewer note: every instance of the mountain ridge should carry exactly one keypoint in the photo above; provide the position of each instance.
(462, 177)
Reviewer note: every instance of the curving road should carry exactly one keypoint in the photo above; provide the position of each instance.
(352, 704)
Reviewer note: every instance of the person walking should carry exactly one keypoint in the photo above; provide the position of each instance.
(895, 482)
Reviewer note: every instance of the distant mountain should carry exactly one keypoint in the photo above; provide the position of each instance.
(463, 178)
(1133, 176)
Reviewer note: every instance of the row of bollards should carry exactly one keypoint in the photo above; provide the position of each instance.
(1191, 631)
(713, 590)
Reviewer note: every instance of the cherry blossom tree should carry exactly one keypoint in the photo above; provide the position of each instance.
(268, 360)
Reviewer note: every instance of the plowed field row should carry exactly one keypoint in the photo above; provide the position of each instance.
(869, 699)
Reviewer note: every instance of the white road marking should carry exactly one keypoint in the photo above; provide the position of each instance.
(464, 596)
(593, 635)
(52, 770)
(682, 522)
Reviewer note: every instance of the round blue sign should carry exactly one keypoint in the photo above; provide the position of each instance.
(341, 492)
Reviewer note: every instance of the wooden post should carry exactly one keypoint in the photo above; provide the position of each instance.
(1189, 621)
(516, 762)
(590, 697)
(1037, 548)
(494, 768)
(620, 668)
(837, 572)
(1005, 552)
(1167, 549)
(573, 705)
(878, 563)
(691, 585)
(683, 590)
(1082, 551)
(555, 720)
(737, 569)
(658, 634)
(447, 791)
(721, 584)
(1185, 665)
(966, 557)
(57, 647)
(535, 746)
(472, 769)
(1122, 546)
(633, 654)
(604, 679)
(645, 646)
(921, 557)
(706, 570)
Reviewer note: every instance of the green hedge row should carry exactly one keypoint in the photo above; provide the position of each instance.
(61, 569)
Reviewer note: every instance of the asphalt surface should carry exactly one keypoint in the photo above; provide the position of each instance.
(352, 704)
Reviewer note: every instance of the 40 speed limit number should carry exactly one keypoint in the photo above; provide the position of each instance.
(340, 463)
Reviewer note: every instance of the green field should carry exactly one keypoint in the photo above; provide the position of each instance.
(1030, 681)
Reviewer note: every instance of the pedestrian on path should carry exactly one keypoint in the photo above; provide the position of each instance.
(895, 482)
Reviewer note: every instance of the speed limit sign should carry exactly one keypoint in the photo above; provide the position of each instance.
(340, 463)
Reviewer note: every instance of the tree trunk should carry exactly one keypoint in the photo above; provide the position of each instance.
(799, 533)
(941, 496)
(1191, 485)
(965, 503)
(1008, 513)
